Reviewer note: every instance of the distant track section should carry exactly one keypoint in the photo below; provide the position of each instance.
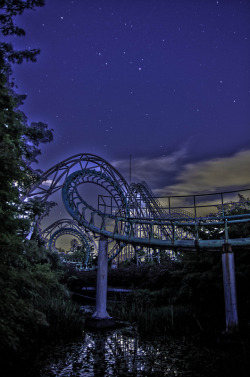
(152, 208)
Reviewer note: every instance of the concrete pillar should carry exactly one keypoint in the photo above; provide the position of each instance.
(102, 281)
(231, 311)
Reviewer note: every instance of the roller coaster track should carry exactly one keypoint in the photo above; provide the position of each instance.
(156, 205)
(69, 227)
(51, 183)
(153, 208)
(130, 223)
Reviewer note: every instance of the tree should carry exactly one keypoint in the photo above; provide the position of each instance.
(232, 211)
(31, 295)
(18, 141)
(242, 207)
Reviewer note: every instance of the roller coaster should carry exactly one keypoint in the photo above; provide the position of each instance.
(130, 215)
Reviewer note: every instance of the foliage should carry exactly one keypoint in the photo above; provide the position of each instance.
(233, 210)
(18, 149)
(10, 9)
(78, 254)
(181, 297)
(34, 305)
(18, 141)
(239, 230)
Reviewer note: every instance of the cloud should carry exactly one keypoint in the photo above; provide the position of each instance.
(152, 170)
(172, 175)
(218, 174)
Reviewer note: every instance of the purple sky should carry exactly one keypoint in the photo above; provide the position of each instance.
(167, 81)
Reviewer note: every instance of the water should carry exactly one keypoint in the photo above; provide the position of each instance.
(125, 352)
(119, 353)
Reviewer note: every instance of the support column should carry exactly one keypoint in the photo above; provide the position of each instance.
(231, 311)
(100, 318)
(102, 280)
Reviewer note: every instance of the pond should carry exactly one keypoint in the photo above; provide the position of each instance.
(124, 352)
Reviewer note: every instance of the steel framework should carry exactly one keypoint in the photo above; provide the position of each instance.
(138, 218)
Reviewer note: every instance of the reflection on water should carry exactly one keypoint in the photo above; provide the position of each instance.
(123, 352)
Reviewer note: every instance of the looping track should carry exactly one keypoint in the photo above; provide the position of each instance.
(135, 217)
(64, 227)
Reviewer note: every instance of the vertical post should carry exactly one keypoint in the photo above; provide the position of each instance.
(222, 204)
(100, 319)
(195, 214)
(136, 255)
(231, 312)
(173, 231)
(102, 281)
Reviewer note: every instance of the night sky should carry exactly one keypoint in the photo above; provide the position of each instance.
(165, 81)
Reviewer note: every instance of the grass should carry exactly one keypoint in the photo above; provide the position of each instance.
(152, 319)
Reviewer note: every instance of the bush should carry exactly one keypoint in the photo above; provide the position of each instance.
(34, 306)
